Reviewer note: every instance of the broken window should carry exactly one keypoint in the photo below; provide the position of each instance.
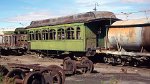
(78, 33)
(45, 35)
(39, 35)
(61, 33)
(36, 35)
(52, 34)
(70, 33)
(31, 35)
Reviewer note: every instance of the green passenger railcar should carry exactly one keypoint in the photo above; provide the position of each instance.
(66, 37)
(71, 34)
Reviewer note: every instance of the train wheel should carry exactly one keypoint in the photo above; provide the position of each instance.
(69, 66)
(85, 58)
(118, 60)
(89, 66)
(113, 61)
(34, 78)
(105, 59)
(123, 62)
(54, 75)
(60, 72)
(135, 63)
(3, 70)
(14, 74)
(67, 58)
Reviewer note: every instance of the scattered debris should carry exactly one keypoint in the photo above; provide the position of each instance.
(123, 70)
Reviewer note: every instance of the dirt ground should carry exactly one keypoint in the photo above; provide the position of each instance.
(103, 73)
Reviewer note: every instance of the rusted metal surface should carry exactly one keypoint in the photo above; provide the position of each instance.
(70, 66)
(89, 66)
(13, 41)
(34, 74)
(82, 17)
(53, 74)
(60, 72)
(146, 38)
(15, 76)
(33, 67)
(3, 70)
(131, 36)
(34, 78)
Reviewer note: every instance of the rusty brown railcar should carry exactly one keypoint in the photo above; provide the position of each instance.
(14, 42)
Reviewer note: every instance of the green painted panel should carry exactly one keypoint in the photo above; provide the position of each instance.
(90, 35)
(64, 45)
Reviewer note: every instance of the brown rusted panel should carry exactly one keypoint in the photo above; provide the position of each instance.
(146, 37)
(130, 35)
(82, 17)
(129, 38)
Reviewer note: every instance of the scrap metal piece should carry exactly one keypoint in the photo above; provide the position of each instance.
(60, 71)
(53, 74)
(34, 78)
(33, 67)
(89, 66)
(14, 76)
(70, 67)
(3, 70)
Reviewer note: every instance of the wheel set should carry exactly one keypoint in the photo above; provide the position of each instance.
(34, 74)
(71, 67)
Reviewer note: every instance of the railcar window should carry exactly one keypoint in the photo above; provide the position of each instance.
(45, 35)
(6, 39)
(39, 36)
(31, 35)
(52, 34)
(33, 38)
(78, 33)
(10, 40)
(36, 35)
(61, 33)
(70, 33)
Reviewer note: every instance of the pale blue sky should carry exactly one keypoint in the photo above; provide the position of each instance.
(18, 13)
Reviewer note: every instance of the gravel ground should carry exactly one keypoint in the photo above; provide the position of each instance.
(112, 75)
(103, 73)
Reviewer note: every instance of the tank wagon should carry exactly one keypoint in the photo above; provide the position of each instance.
(75, 35)
(128, 42)
(13, 41)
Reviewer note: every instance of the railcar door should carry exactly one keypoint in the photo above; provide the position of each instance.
(90, 37)
(101, 37)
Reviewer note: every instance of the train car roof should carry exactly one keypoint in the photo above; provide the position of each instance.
(82, 17)
(7, 31)
(134, 22)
